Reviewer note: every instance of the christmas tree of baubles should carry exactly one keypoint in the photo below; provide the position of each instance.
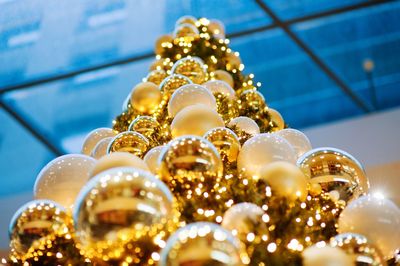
(198, 170)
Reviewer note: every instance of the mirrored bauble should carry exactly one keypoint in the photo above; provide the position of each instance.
(262, 149)
(226, 142)
(145, 125)
(252, 99)
(185, 33)
(94, 137)
(190, 157)
(35, 220)
(192, 68)
(359, 248)
(129, 141)
(173, 82)
(120, 206)
(336, 171)
(62, 178)
(201, 244)
(190, 94)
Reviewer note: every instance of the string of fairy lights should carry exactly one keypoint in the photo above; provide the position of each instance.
(198, 170)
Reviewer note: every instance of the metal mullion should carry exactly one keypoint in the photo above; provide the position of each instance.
(31, 129)
(285, 27)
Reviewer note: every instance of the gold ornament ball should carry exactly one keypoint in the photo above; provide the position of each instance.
(277, 119)
(120, 206)
(152, 159)
(222, 87)
(298, 139)
(359, 248)
(376, 218)
(118, 159)
(335, 171)
(191, 158)
(232, 61)
(185, 33)
(161, 64)
(145, 97)
(190, 94)
(162, 43)
(156, 76)
(192, 68)
(173, 82)
(246, 221)
(129, 141)
(252, 99)
(101, 148)
(285, 180)
(34, 221)
(216, 27)
(195, 120)
(94, 137)
(261, 150)
(325, 256)
(62, 178)
(201, 244)
(226, 142)
(145, 125)
(186, 20)
(224, 76)
(245, 124)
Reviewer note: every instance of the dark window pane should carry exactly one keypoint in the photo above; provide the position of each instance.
(345, 41)
(291, 82)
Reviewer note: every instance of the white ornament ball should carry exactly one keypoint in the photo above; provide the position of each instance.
(118, 159)
(326, 256)
(195, 120)
(62, 178)
(152, 159)
(219, 86)
(101, 148)
(377, 218)
(190, 94)
(263, 149)
(94, 137)
(298, 139)
(245, 124)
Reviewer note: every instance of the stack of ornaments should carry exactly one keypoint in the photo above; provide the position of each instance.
(198, 170)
